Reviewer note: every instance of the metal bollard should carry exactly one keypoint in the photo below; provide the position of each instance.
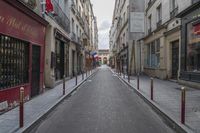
(183, 95)
(76, 79)
(152, 88)
(82, 75)
(86, 73)
(138, 81)
(63, 84)
(21, 107)
(128, 77)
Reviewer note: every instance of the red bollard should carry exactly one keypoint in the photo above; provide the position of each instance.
(152, 87)
(138, 81)
(183, 95)
(21, 107)
(63, 84)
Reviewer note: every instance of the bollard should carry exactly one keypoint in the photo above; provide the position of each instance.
(76, 79)
(63, 84)
(86, 73)
(183, 95)
(128, 78)
(152, 88)
(21, 107)
(82, 75)
(138, 81)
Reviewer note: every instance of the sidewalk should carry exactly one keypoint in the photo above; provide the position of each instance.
(38, 106)
(167, 95)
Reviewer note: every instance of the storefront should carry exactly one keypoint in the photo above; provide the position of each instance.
(190, 49)
(22, 39)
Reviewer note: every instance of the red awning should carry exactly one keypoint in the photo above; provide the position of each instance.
(49, 6)
(197, 29)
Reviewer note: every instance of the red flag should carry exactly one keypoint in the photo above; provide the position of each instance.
(49, 6)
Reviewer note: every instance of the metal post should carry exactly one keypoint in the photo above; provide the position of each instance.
(21, 108)
(82, 75)
(152, 88)
(183, 95)
(138, 81)
(76, 79)
(63, 84)
(128, 77)
(86, 73)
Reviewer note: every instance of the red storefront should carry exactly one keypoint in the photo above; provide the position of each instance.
(22, 47)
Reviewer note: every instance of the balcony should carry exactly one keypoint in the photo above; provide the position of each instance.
(174, 12)
(60, 17)
(159, 23)
(195, 1)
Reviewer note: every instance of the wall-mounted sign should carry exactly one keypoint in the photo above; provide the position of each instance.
(137, 22)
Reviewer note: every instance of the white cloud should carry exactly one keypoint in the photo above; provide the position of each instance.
(105, 25)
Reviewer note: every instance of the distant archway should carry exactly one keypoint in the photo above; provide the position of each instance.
(105, 60)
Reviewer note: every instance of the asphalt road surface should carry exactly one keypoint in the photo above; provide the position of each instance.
(103, 105)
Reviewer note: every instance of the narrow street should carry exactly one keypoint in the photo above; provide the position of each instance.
(103, 105)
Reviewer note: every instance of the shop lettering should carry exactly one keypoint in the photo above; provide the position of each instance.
(19, 25)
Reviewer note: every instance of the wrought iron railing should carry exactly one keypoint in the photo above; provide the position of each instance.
(174, 12)
(60, 17)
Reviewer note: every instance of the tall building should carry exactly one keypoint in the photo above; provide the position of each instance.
(22, 46)
(127, 28)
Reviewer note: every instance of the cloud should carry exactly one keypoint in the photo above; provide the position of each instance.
(105, 25)
(104, 39)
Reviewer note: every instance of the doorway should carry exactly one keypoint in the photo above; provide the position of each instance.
(35, 82)
(175, 59)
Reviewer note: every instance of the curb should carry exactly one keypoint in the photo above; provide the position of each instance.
(169, 120)
(30, 126)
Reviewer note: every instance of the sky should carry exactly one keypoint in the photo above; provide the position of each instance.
(103, 10)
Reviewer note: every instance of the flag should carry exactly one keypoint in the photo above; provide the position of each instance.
(49, 6)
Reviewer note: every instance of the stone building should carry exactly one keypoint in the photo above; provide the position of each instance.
(127, 27)
(190, 45)
(162, 37)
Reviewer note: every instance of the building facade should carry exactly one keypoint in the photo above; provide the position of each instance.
(22, 51)
(190, 46)
(162, 37)
(127, 27)
(103, 56)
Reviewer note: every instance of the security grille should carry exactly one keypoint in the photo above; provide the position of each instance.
(13, 62)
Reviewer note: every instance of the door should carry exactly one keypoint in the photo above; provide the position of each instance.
(35, 83)
(175, 59)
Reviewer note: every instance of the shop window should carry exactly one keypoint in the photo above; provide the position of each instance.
(153, 54)
(193, 47)
(14, 62)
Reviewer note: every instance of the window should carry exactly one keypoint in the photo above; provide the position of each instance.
(159, 13)
(193, 47)
(72, 25)
(149, 24)
(14, 62)
(153, 54)
(173, 5)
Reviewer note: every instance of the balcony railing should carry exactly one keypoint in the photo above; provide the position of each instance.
(159, 23)
(195, 1)
(60, 17)
(174, 12)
